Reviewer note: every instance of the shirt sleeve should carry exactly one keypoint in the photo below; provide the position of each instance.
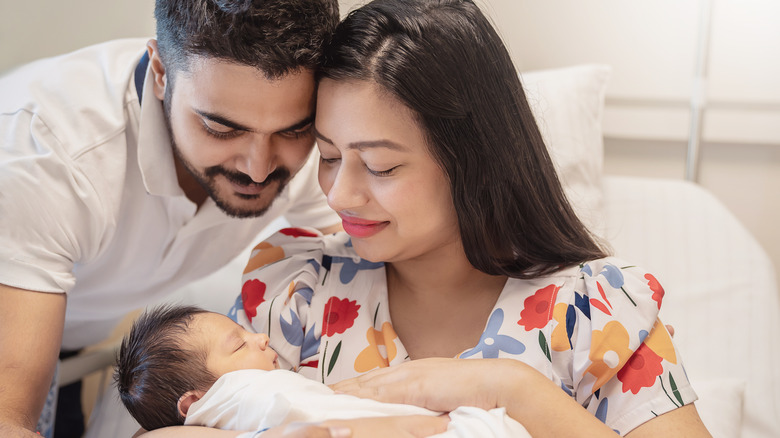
(277, 289)
(624, 367)
(51, 216)
(310, 206)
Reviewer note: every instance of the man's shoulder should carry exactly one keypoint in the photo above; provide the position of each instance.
(77, 97)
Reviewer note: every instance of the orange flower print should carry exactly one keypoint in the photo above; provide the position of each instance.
(655, 286)
(559, 341)
(660, 342)
(608, 352)
(537, 310)
(641, 370)
(263, 254)
(381, 349)
(339, 316)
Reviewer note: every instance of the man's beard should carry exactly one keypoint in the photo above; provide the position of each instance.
(206, 180)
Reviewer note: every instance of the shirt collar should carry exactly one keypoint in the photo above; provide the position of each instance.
(155, 153)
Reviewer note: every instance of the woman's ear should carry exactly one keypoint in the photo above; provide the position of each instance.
(187, 400)
(158, 69)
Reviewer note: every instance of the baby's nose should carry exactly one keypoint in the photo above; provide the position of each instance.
(262, 340)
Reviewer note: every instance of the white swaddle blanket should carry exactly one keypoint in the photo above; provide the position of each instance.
(254, 399)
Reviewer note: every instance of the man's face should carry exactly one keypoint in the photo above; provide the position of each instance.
(239, 135)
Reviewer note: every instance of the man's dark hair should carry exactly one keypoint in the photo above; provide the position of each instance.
(275, 36)
(157, 364)
(444, 60)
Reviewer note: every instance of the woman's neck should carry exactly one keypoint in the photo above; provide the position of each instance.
(439, 305)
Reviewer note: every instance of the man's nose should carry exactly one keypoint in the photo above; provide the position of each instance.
(258, 160)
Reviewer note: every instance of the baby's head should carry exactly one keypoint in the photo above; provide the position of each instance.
(174, 354)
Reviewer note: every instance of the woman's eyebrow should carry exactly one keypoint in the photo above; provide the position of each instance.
(365, 144)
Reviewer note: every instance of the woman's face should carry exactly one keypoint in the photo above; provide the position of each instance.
(378, 175)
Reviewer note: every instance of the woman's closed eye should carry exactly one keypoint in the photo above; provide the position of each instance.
(387, 172)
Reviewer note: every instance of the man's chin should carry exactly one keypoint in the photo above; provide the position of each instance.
(244, 210)
(246, 206)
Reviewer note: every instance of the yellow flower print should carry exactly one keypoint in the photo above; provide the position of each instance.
(265, 255)
(380, 351)
(608, 352)
(559, 341)
(660, 342)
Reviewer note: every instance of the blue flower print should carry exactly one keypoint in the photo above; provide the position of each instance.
(306, 293)
(349, 268)
(314, 264)
(293, 330)
(233, 312)
(601, 411)
(310, 344)
(613, 275)
(586, 269)
(491, 343)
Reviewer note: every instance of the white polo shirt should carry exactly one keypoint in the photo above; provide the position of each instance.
(89, 200)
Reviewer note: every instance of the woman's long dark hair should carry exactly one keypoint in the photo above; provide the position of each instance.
(445, 61)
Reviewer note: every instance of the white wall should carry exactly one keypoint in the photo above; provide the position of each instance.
(651, 46)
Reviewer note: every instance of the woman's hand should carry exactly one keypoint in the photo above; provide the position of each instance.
(444, 384)
(438, 384)
(410, 426)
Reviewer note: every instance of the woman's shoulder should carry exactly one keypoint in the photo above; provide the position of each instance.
(298, 243)
(603, 289)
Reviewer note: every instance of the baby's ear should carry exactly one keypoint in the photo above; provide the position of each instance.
(187, 400)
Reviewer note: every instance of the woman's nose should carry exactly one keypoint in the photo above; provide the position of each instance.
(346, 190)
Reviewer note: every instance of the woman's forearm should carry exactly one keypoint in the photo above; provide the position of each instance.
(190, 432)
(540, 406)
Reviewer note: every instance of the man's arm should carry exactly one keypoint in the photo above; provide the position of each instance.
(31, 325)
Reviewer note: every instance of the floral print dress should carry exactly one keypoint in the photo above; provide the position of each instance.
(592, 329)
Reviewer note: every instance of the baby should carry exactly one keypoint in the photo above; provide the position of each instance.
(185, 365)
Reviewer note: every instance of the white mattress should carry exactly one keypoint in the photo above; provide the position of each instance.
(721, 296)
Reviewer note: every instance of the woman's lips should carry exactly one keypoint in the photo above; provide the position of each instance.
(362, 228)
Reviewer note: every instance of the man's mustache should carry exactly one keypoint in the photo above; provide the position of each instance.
(281, 174)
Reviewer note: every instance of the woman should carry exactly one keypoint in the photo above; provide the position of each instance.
(464, 277)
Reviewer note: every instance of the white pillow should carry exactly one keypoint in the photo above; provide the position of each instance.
(568, 104)
(720, 406)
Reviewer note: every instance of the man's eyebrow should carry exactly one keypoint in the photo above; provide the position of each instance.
(366, 144)
(303, 123)
(222, 120)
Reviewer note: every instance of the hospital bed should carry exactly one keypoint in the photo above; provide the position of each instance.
(721, 292)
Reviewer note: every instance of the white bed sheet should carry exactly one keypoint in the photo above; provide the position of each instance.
(721, 296)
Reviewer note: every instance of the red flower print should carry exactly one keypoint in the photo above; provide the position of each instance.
(297, 232)
(252, 295)
(339, 316)
(641, 370)
(655, 286)
(311, 364)
(537, 310)
(598, 304)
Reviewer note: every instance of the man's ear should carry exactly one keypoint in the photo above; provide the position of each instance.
(158, 69)
(187, 400)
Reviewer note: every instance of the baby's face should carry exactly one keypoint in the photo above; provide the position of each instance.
(230, 347)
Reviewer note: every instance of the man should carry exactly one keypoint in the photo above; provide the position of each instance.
(130, 170)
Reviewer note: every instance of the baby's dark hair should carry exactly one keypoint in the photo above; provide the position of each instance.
(157, 364)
